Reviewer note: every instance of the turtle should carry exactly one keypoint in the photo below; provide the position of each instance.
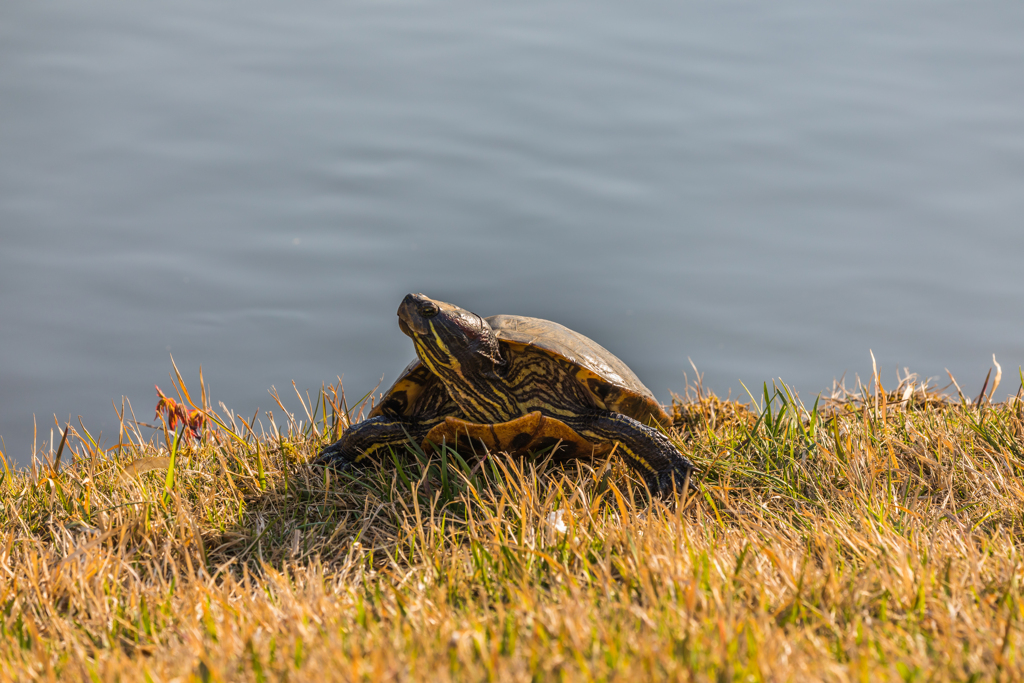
(518, 385)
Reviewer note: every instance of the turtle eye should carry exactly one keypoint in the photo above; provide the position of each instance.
(428, 310)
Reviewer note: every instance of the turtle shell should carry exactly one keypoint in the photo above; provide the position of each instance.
(610, 382)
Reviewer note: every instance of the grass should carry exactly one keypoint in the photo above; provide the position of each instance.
(875, 535)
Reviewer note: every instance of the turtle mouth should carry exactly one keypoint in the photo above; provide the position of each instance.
(410, 314)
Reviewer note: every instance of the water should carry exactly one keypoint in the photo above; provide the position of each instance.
(768, 189)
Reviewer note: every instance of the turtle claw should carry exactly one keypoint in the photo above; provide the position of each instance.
(679, 479)
(333, 457)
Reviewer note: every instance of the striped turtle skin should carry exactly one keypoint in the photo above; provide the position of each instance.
(518, 385)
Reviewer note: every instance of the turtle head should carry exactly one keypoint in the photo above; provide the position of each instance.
(451, 341)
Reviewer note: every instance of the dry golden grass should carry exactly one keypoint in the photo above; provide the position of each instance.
(872, 537)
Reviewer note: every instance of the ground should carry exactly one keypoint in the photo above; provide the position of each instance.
(872, 535)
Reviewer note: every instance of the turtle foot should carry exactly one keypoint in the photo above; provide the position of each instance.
(678, 479)
(332, 456)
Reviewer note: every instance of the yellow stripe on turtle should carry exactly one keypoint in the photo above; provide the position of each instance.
(530, 433)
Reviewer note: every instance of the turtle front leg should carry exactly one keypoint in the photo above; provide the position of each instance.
(361, 441)
(645, 449)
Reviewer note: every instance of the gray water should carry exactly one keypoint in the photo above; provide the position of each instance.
(768, 189)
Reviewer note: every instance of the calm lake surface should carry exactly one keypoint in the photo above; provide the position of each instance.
(768, 189)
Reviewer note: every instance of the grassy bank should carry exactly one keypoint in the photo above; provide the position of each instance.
(874, 536)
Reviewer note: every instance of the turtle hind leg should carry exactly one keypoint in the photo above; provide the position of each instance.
(360, 442)
(646, 450)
